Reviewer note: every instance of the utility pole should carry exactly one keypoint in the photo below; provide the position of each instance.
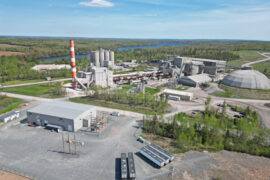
(68, 144)
(75, 143)
(63, 141)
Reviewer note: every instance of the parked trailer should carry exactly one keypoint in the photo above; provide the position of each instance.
(124, 174)
(155, 159)
(131, 166)
(164, 152)
(162, 156)
(53, 127)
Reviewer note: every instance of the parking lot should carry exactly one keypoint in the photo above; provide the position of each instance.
(38, 153)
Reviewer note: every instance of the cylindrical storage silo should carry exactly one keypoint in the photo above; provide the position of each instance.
(101, 57)
(107, 55)
(95, 58)
(112, 58)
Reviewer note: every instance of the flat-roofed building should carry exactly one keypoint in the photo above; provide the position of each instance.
(70, 116)
(186, 96)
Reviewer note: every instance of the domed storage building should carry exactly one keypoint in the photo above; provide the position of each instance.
(249, 79)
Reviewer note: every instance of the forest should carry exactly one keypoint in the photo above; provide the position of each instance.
(32, 49)
(213, 131)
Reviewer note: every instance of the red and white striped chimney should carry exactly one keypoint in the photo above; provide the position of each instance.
(73, 64)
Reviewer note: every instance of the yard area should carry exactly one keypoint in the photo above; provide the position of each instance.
(263, 67)
(245, 57)
(8, 104)
(39, 90)
(234, 92)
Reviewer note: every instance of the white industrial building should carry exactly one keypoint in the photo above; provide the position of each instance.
(102, 76)
(186, 96)
(194, 80)
(69, 116)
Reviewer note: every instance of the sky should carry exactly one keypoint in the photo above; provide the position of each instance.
(146, 19)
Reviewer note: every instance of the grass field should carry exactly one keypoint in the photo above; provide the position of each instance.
(138, 109)
(41, 90)
(263, 67)
(8, 104)
(245, 57)
(233, 92)
(26, 81)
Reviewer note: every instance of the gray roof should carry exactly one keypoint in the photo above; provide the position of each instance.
(61, 109)
(249, 79)
(199, 78)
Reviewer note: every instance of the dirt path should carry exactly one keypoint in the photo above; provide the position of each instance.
(4, 175)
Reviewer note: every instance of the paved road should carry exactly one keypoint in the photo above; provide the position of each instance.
(259, 61)
(34, 83)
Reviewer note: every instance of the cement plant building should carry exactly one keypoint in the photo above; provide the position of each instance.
(70, 116)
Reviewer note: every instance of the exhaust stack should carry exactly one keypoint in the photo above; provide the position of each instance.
(73, 64)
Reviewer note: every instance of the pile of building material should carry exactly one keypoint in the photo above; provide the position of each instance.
(45, 67)
(156, 154)
(10, 117)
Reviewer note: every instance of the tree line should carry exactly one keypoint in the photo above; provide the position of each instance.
(213, 130)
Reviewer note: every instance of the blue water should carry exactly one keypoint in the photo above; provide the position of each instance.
(80, 56)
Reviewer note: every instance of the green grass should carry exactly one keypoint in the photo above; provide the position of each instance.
(245, 57)
(151, 91)
(26, 81)
(137, 109)
(267, 105)
(181, 88)
(263, 67)
(234, 92)
(40, 90)
(8, 104)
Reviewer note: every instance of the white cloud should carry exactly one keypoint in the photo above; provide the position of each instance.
(97, 3)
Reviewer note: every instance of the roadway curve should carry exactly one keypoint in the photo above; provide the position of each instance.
(259, 61)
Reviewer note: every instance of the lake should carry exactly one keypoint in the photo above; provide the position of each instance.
(80, 56)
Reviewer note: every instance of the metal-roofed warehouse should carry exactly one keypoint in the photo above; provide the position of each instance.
(70, 116)
(194, 80)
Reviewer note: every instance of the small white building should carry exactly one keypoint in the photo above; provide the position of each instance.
(186, 96)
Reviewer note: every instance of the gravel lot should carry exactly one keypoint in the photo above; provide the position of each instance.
(37, 153)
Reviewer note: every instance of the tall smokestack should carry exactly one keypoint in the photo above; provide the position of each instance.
(73, 64)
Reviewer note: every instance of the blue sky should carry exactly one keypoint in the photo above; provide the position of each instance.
(159, 19)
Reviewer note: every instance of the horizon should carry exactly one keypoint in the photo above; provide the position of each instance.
(136, 19)
(116, 38)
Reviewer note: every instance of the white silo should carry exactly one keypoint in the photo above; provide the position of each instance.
(101, 57)
(107, 55)
(95, 58)
(112, 58)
